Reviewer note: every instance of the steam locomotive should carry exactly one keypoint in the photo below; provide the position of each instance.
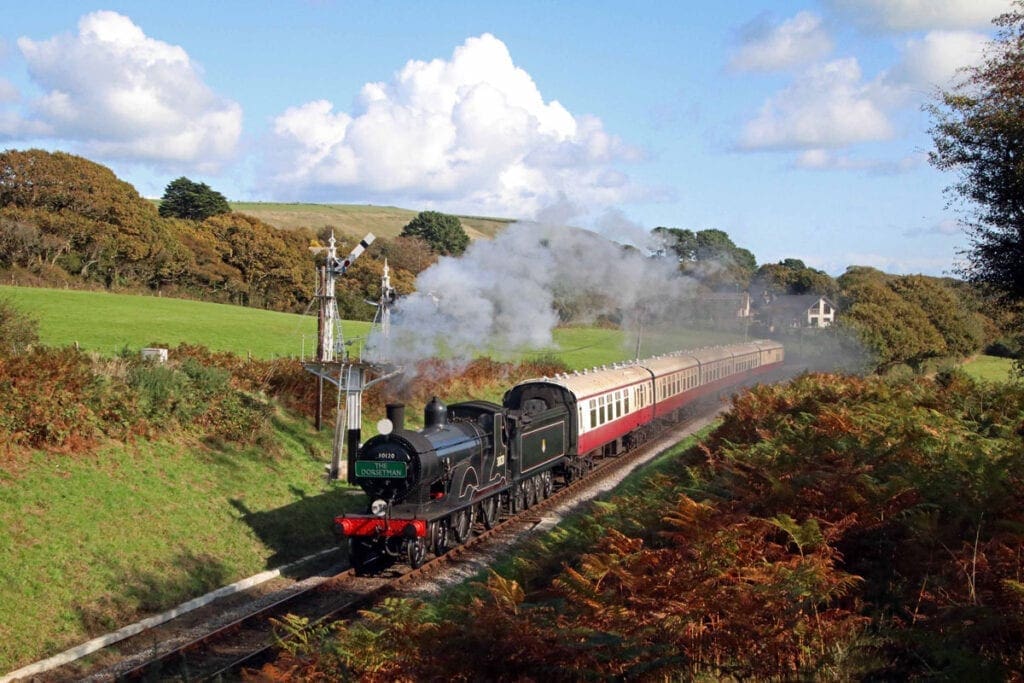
(474, 460)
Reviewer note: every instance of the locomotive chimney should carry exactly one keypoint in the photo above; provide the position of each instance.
(434, 414)
(396, 414)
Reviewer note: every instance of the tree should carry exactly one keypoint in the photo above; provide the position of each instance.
(193, 201)
(792, 276)
(979, 133)
(709, 256)
(892, 328)
(64, 183)
(950, 317)
(444, 233)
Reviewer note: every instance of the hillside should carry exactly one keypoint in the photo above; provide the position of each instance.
(354, 219)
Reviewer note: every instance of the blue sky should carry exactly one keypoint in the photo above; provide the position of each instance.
(796, 127)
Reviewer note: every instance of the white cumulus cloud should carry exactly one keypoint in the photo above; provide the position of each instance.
(121, 94)
(766, 46)
(832, 105)
(922, 15)
(828, 106)
(472, 132)
(933, 60)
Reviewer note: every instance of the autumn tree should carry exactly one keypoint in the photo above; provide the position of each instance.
(444, 233)
(186, 199)
(274, 265)
(58, 182)
(979, 134)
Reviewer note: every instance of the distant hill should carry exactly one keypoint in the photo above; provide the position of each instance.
(355, 219)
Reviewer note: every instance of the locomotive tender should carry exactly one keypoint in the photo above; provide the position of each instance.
(475, 459)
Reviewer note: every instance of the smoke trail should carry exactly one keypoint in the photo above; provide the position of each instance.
(509, 293)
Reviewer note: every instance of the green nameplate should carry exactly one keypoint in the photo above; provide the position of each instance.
(373, 469)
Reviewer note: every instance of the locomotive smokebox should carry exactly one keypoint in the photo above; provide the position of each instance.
(396, 414)
(435, 414)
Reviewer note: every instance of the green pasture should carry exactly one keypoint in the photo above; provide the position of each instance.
(108, 323)
(989, 368)
(354, 219)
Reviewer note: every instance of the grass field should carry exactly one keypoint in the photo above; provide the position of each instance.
(108, 323)
(354, 219)
(989, 368)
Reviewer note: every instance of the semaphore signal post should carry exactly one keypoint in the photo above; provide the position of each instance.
(333, 363)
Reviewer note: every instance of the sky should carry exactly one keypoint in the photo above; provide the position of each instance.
(795, 126)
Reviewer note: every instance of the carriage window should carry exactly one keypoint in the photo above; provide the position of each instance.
(593, 413)
(618, 407)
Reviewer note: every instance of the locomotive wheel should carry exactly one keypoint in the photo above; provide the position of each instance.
(547, 485)
(417, 552)
(532, 492)
(439, 538)
(489, 512)
(517, 501)
(460, 526)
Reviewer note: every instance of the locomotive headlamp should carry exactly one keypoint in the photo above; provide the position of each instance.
(379, 507)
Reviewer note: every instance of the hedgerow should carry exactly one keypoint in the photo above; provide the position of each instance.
(65, 401)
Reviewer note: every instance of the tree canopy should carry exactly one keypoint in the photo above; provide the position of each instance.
(979, 133)
(709, 256)
(193, 201)
(444, 233)
(792, 276)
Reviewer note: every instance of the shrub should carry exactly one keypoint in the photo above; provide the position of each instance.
(18, 330)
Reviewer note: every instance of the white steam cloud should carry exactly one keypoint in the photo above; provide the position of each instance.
(509, 293)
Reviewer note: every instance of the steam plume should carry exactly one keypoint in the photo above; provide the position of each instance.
(509, 293)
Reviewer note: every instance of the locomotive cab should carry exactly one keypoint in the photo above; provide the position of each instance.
(542, 426)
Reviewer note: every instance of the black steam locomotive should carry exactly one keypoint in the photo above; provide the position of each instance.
(474, 460)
